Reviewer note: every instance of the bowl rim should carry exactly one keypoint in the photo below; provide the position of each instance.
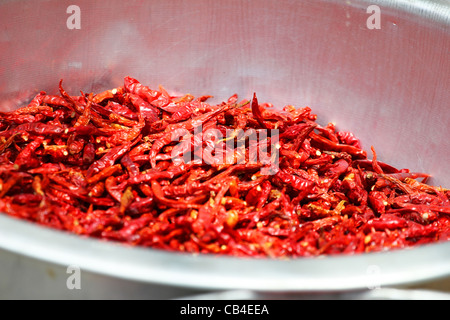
(323, 273)
(434, 10)
(202, 271)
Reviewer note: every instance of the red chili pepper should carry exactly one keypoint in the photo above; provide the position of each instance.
(149, 112)
(71, 102)
(25, 157)
(159, 196)
(325, 144)
(387, 221)
(349, 138)
(105, 165)
(134, 86)
(108, 94)
(257, 113)
(296, 182)
(108, 159)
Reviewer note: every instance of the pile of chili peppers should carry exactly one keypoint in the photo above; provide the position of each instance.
(102, 165)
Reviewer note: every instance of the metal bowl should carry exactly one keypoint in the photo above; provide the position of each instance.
(385, 80)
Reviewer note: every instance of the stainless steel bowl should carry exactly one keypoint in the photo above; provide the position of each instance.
(390, 86)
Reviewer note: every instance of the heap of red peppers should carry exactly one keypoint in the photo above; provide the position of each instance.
(102, 165)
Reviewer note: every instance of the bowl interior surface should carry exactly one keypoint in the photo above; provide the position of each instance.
(389, 86)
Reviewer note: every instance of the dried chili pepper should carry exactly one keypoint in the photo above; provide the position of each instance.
(140, 166)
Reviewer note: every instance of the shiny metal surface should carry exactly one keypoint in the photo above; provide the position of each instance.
(203, 272)
(390, 86)
(378, 294)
